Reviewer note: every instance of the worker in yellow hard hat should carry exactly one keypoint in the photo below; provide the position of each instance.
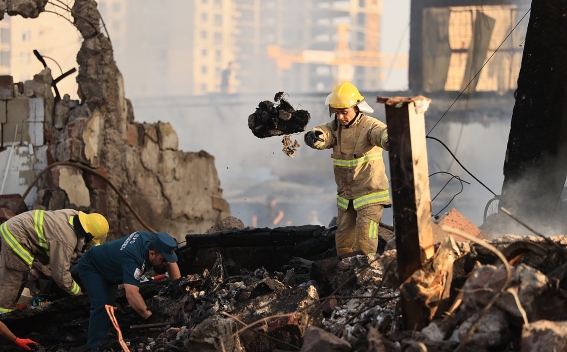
(357, 140)
(38, 238)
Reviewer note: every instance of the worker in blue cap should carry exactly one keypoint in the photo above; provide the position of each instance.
(125, 260)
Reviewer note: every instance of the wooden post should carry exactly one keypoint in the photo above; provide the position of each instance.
(410, 194)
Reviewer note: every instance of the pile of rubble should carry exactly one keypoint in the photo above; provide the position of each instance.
(472, 300)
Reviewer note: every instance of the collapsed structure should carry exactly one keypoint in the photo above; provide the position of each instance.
(472, 295)
(172, 190)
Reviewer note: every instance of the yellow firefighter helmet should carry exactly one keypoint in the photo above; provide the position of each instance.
(95, 224)
(345, 96)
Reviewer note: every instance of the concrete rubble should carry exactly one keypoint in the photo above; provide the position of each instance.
(311, 300)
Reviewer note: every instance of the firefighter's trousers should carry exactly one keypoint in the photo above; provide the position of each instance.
(13, 277)
(358, 229)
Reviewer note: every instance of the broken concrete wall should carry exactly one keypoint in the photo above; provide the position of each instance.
(172, 190)
(24, 114)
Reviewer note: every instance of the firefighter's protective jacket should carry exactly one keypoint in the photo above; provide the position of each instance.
(47, 237)
(357, 157)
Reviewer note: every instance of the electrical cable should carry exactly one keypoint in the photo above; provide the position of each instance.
(464, 168)
(491, 56)
(445, 207)
(88, 169)
(452, 177)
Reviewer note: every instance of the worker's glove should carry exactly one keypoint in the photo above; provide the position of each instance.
(152, 319)
(312, 136)
(23, 343)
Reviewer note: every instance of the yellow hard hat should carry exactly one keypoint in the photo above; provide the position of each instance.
(95, 224)
(345, 96)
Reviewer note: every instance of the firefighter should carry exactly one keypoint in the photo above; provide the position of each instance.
(124, 260)
(37, 238)
(8, 335)
(357, 140)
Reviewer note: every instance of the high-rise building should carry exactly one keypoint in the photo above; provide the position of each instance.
(170, 48)
(307, 45)
(194, 47)
(5, 45)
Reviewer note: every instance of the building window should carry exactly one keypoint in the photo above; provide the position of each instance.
(218, 38)
(204, 87)
(204, 34)
(204, 52)
(218, 55)
(218, 20)
(26, 36)
(116, 26)
(218, 3)
(5, 35)
(204, 16)
(204, 69)
(116, 6)
(323, 70)
(25, 58)
(4, 58)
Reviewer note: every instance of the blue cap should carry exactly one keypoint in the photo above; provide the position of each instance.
(167, 246)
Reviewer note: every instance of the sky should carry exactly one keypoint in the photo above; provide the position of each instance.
(395, 38)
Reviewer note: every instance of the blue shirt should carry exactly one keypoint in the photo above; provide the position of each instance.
(124, 260)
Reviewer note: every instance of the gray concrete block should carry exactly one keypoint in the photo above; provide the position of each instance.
(35, 132)
(18, 110)
(8, 130)
(37, 110)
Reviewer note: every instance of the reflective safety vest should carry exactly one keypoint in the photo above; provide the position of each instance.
(376, 197)
(23, 253)
(357, 160)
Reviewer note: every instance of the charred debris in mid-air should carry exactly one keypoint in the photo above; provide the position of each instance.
(279, 118)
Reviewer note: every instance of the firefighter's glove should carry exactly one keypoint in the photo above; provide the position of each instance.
(23, 343)
(152, 319)
(313, 136)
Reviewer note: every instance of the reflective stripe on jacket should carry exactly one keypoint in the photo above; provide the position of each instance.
(357, 159)
(45, 236)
